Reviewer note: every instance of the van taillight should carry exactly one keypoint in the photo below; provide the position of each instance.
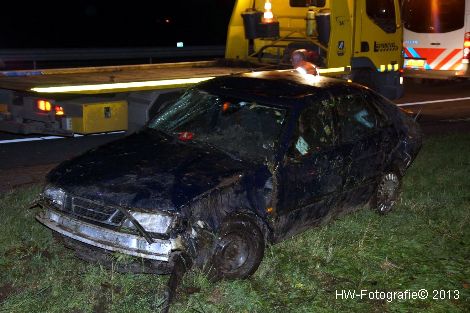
(466, 48)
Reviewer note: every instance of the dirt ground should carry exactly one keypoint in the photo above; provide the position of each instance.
(21, 176)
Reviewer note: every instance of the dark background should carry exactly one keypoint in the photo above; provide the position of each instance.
(107, 24)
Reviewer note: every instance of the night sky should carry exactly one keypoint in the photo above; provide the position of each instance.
(101, 24)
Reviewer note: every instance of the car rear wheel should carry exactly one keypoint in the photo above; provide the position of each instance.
(387, 192)
(238, 251)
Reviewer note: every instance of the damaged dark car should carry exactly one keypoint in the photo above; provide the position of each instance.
(235, 163)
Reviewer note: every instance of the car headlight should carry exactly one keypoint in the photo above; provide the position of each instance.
(151, 222)
(55, 195)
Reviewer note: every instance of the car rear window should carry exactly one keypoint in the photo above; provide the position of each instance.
(431, 16)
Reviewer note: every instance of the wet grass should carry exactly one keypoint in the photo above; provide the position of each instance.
(423, 244)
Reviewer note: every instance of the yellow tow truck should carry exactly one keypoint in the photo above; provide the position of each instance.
(359, 40)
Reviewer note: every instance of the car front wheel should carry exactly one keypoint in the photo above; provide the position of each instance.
(387, 192)
(239, 249)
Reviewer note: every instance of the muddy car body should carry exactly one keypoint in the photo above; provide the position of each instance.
(235, 163)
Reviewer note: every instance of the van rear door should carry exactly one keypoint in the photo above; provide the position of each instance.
(434, 33)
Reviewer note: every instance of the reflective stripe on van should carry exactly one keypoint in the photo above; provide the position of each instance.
(436, 58)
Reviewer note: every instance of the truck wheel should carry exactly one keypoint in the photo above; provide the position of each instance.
(238, 251)
(388, 189)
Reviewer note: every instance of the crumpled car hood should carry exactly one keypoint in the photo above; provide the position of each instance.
(147, 170)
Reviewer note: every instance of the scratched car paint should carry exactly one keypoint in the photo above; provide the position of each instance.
(234, 164)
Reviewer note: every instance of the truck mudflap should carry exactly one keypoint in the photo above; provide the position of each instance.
(390, 85)
(387, 83)
(107, 239)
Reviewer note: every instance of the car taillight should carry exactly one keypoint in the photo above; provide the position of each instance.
(59, 110)
(44, 105)
(466, 48)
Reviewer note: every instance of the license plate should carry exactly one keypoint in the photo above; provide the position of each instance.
(413, 63)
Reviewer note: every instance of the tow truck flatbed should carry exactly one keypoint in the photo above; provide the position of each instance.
(96, 99)
(41, 80)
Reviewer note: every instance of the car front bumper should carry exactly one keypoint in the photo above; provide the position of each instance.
(108, 239)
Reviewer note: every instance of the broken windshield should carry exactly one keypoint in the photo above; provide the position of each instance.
(243, 129)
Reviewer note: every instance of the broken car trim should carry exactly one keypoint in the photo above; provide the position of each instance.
(108, 239)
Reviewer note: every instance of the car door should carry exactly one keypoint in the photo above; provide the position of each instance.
(361, 139)
(310, 176)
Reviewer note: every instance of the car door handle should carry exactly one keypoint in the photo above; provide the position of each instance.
(435, 43)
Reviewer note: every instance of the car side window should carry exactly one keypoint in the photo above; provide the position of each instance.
(314, 129)
(377, 102)
(355, 117)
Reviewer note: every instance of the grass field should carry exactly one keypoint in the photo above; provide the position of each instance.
(423, 244)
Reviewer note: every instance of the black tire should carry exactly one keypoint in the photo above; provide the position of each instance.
(387, 192)
(238, 250)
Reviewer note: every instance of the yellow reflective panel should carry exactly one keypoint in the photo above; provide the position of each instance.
(122, 86)
(101, 117)
(414, 63)
(331, 70)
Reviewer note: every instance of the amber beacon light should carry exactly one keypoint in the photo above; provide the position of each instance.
(268, 16)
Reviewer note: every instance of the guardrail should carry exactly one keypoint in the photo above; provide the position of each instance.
(150, 55)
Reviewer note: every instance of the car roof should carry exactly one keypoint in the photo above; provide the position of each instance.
(279, 87)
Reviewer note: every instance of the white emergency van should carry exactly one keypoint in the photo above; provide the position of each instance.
(436, 38)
